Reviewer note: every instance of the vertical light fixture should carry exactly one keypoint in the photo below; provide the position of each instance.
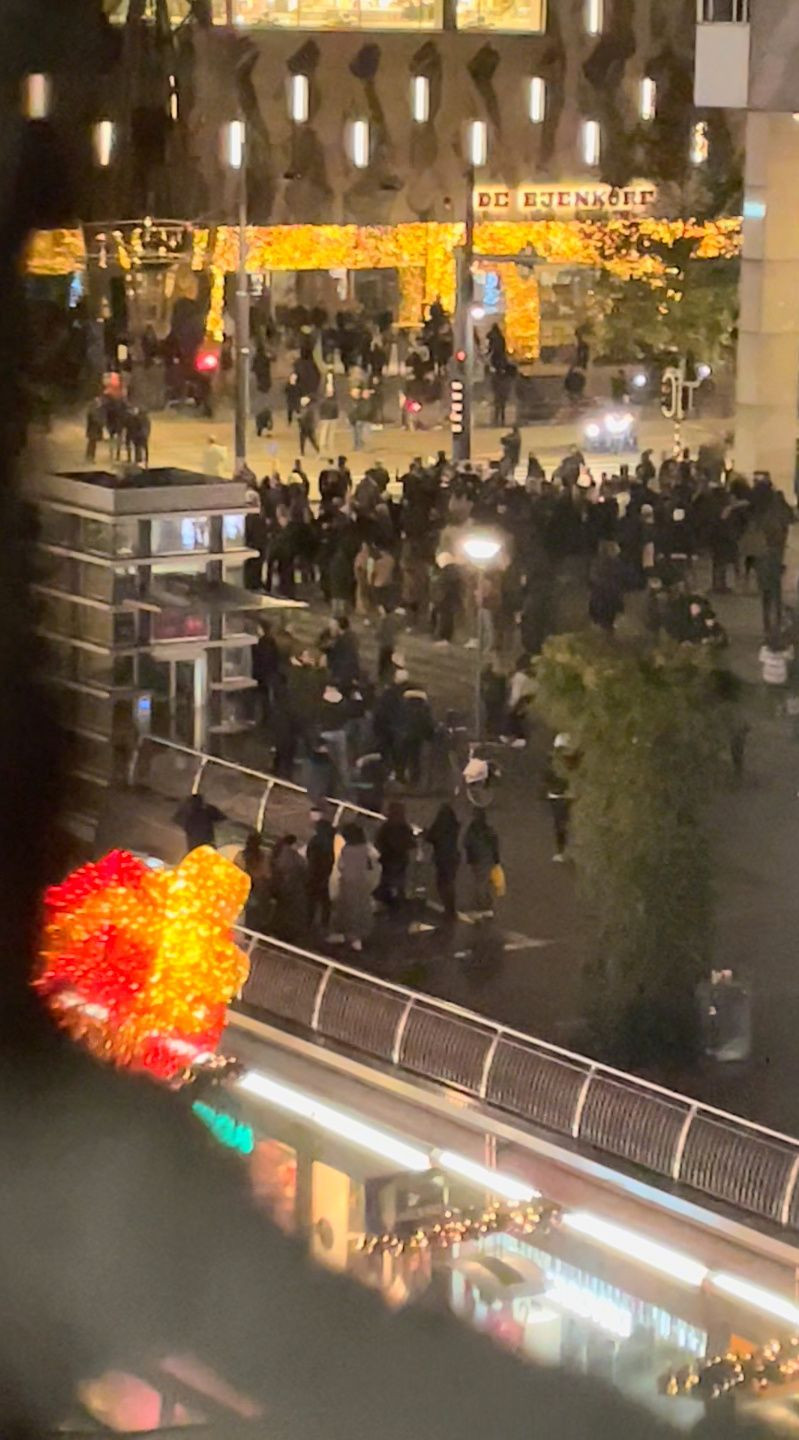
(649, 98)
(37, 95)
(594, 16)
(299, 99)
(103, 142)
(700, 147)
(420, 99)
(538, 99)
(592, 142)
(477, 144)
(235, 134)
(360, 144)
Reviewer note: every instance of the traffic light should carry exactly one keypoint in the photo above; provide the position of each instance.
(206, 362)
(456, 405)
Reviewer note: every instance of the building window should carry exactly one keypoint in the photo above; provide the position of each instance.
(538, 99)
(725, 12)
(420, 99)
(649, 96)
(594, 16)
(700, 147)
(523, 15)
(334, 14)
(592, 142)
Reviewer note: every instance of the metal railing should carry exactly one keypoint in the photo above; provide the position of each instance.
(667, 1135)
(175, 771)
(730, 12)
(670, 1137)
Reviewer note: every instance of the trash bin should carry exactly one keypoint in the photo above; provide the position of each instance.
(726, 1017)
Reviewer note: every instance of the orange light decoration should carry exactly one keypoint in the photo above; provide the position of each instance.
(140, 964)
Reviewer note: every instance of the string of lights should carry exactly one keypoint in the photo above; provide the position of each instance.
(455, 1227)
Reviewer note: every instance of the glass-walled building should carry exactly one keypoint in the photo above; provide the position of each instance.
(142, 609)
(525, 16)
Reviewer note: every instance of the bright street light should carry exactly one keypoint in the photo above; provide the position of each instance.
(481, 549)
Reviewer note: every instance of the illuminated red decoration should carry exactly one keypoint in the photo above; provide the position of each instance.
(140, 964)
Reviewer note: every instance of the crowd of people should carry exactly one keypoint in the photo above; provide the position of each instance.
(126, 427)
(389, 559)
(393, 555)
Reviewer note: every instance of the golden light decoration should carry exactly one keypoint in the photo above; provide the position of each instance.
(522, 312)
(140, 964)
(411, 296)
(55, 252)
(776, 1363)
(459, 1226)
(621, 245)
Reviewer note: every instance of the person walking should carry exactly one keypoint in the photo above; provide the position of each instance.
(306, 424)
(290, 892)
(395, 844)
(198, 820)
(253, 859)
(563, 759)
(215, 457)
(139, 429)
(442, 837)
(328, 415)
(319, 857)
(95, 427)
(355, 875)
(481, 848)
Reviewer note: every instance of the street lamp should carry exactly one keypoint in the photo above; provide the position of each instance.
(482, 549)
(236, 156)
(476, 151)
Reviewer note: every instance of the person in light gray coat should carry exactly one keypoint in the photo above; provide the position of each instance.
(355, 875)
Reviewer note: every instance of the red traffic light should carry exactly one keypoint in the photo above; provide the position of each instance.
(460, 356)
(206, 362)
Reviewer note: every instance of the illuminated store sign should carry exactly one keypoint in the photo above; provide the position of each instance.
(524, 201)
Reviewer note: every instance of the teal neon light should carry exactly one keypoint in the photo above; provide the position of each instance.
(233, 1134)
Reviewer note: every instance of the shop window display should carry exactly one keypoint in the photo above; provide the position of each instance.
(523, 15)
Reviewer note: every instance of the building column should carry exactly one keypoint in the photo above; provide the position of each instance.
(767, 389)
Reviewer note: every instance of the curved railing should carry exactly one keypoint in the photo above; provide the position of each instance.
(671, 1137)
(174, 771)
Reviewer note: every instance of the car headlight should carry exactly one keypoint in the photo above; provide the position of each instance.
(639, 380)
(593, 431)
(617, 424)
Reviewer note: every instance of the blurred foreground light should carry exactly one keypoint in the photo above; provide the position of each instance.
(492, 1180)
(37, 97)
(336, 1122)
(103, 142)
(578, 1301)
(671, 1263)
(617, 424)
(760, 1299)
